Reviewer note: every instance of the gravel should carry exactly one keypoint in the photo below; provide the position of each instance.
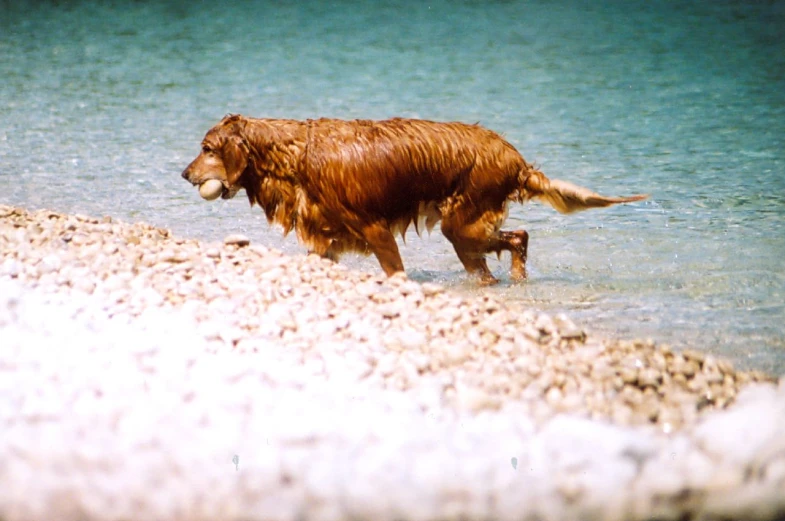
(149, 376)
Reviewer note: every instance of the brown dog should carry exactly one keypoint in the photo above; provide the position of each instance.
(353, 185)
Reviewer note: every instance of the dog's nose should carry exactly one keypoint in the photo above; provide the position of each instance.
(184, 175)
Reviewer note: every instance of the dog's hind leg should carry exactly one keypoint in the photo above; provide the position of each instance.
(471, 242)
(517, 243)
(382, 243)
(474, 262)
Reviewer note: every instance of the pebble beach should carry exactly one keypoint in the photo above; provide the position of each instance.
(149, 376)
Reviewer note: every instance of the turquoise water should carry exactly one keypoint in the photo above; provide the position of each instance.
(104, 103)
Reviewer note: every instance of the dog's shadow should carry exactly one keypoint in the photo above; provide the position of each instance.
(441, 277)
(461, 281)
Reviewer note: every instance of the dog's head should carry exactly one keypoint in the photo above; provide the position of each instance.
(224, 157)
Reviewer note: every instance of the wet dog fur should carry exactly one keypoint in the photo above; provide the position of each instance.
(354, 185)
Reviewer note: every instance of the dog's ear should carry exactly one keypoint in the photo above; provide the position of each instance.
(235, 158)
(230, 118)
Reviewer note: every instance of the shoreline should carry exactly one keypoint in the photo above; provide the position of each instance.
(256, 323)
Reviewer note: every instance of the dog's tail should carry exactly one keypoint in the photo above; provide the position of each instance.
(566, 197)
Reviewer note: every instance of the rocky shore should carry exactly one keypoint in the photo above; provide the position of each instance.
(149, 376)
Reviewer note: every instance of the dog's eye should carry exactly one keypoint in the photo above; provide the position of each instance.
(206, 149)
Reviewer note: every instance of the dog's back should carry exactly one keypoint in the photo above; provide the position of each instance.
(387, 169)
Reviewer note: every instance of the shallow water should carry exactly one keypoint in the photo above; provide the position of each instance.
(103, 104)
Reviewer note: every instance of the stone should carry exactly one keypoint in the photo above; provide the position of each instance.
(237, 239)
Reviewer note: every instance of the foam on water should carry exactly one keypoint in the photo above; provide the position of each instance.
(104, 103)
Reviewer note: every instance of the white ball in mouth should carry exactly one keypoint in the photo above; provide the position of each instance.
(211, 189)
